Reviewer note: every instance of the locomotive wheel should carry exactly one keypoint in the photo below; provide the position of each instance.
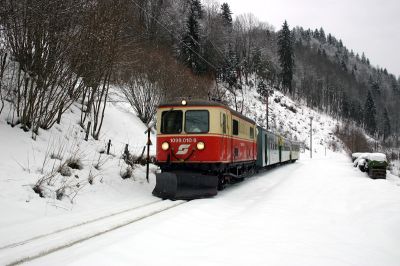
(221, 182)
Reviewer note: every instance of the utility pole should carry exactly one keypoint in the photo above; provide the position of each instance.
(148, 152)
(267, 96)
(311, 118)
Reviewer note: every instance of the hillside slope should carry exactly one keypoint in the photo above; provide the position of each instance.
(97, 189)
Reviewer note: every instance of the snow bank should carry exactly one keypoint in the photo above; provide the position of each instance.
(379, 157)
(313, 212)
(361, 158)
(89, 192)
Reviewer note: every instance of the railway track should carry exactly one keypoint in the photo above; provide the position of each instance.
(45, 244)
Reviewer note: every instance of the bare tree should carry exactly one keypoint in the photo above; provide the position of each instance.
(144, 96)
(98, 46)
(3, 61)
(37, 34)
(155, 76)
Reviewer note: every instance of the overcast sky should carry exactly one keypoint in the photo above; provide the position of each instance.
(369, 26)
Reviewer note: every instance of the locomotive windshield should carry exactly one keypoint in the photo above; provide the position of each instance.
(171, 122)
(197, 121)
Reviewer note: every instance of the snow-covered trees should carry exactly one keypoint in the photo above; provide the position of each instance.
(226, 15)
(370, 114)
(191, 47)
(72, 50)
(386, 124)
(286, 56)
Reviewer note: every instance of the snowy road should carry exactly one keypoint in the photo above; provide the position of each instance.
(319, 212)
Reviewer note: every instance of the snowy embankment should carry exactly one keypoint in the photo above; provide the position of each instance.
(289, 118)
(285, 215)
(95, 190)
(319, 211)
(395, 167)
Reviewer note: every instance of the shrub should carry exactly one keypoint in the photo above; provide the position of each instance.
(127, 173)
(354, 138)
(65, 170)
(74, 163)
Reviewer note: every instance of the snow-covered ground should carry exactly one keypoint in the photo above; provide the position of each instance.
(318, 211)
(395, 167)
(314, 212)
(94, 191)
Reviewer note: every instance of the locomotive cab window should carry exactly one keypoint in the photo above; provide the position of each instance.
(235, 127)
(197, 121)
(171, 122)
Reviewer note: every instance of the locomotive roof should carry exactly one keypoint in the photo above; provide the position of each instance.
(206, 103)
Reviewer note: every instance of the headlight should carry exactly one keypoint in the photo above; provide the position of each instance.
(184, 102)
(200, 146)
(165, 146)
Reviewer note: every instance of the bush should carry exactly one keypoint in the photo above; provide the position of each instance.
(354, 138)
(74, 163)
(65, 170)
(127, 173)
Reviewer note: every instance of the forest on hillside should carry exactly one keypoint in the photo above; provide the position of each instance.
(56, 53)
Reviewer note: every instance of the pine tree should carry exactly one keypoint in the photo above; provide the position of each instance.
(386, 124)
(395, 87)
(370, 114)
(363, 58)
(316, 33)
(286, 56)
(262, 88)
(226, 15)
(257, 66)
(375, 88)
(345, 106)
(330, 39)
(196, 8)
(340, 44)
(322, 36)
(343, 65)
(228, 72)
(191, 50)
(357, 111)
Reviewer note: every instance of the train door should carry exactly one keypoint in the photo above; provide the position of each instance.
(225, 140)
(266, 149)
(234, 140)
(253, 149)
(280, 144)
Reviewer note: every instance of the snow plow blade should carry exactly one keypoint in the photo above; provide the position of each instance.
(185, 185)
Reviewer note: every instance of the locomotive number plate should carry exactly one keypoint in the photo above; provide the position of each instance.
(183, 140)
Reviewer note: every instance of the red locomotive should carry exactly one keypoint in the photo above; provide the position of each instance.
(202, 145)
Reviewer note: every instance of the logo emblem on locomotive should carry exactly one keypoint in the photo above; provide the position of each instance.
(183, 149)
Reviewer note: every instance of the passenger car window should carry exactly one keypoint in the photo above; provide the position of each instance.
(197, 121)
(251, 133)
(171, 122)
(235, 127)
(224, 123)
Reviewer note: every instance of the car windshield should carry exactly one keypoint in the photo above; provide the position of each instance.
(171, 122)
(197, 121)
